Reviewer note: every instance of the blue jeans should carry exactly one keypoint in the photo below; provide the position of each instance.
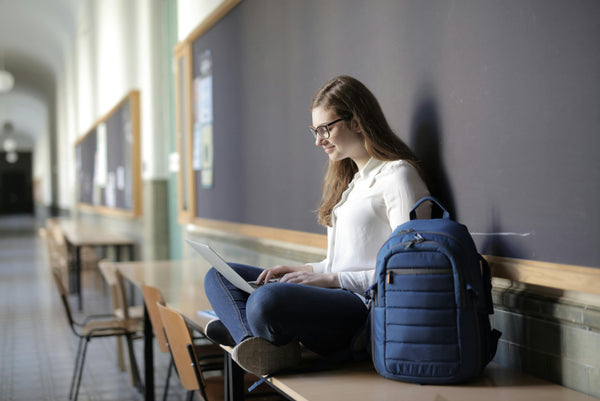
(325, 320)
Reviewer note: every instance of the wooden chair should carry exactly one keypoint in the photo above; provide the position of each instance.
(186, 361)
(89, 257)
(96, 326)
(58, 249)
(189, 366)
(120, 305)
(59, 243)
(210, 355)
(56, 260)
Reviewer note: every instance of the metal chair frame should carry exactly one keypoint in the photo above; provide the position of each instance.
(96, 326)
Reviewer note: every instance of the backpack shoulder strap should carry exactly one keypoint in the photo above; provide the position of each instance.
(486, 276)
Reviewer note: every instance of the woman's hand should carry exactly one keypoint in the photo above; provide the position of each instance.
(278, 272)
(325, 280)
(299, 275)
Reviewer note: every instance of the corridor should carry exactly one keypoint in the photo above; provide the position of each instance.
(37, 348)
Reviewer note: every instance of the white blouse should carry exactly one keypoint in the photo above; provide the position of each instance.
(377, 200)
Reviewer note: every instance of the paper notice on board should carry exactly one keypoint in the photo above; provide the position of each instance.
(120, 178)
(110, 192)
(101, 156)
(197, 150)
(205, 105)
(207, 156)
(203, 126)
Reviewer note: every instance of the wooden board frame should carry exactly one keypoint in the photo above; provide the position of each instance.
(183, 50)
(221, 11)
(185, 182)
(136, 172)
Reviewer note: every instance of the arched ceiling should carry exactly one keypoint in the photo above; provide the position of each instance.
(35, 36)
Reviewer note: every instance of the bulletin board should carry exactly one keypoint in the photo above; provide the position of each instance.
(107, 162)
(499, 102)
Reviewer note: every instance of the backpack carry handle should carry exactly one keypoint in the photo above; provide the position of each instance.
(413, 212)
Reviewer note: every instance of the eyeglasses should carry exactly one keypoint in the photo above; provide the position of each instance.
(322, 131)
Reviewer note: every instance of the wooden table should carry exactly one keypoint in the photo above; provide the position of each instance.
(182, 285)
(79, 235)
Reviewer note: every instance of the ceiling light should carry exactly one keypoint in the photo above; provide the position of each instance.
(9, 145)
(7, 81)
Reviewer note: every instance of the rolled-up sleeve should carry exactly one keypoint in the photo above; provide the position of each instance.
(318, 267)
(357, 281)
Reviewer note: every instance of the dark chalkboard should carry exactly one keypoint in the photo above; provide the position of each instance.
(107, 161)
(498, 99)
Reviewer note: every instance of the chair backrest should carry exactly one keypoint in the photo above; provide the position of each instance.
(47, 240)
(182, 350)
(51, 246)
(115, 282)
(152, 297)
(64, 297)
(56, 260)
(57, 238)
(122, 294)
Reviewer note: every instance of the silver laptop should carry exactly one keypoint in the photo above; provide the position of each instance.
(218, 263)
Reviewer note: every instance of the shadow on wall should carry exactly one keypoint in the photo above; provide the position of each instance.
(523, 319)
(426, 143)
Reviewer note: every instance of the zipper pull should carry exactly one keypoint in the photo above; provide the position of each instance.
(390, 279)
(418, 238)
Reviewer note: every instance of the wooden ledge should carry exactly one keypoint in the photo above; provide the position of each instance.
(250, 231)
(544, 274)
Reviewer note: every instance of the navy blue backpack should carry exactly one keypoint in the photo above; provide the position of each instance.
(431, 304)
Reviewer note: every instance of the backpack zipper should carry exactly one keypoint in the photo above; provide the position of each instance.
(418, 239)
(414, 271)
(418, 233)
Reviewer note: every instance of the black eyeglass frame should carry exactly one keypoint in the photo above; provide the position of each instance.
(326, 134)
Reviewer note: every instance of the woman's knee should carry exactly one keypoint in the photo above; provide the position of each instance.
(211, 275)
(266, 311)
(211, 280)
(266, 303)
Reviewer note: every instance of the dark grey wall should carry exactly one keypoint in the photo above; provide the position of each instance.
(500, 100)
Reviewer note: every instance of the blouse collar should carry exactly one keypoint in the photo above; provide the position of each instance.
(370, 170)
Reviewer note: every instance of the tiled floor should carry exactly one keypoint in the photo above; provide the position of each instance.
(37, 348)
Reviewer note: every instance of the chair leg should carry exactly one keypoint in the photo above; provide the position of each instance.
(133, 367)
(120, 356)
(81, 369)
(76, 368)
(169, 370)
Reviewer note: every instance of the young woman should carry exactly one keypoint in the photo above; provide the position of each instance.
(372, 183)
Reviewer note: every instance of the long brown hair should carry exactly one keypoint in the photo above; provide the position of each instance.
(350, 99)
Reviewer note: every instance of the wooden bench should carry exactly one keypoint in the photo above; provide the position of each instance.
(360, 382)
(548, 278)
(181, 283)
